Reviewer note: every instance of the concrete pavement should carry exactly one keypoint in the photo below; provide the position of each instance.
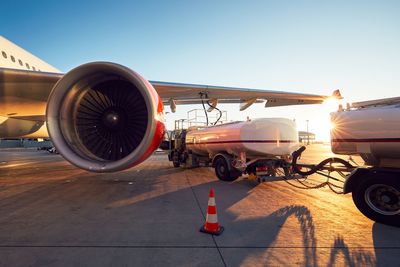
(53, 214)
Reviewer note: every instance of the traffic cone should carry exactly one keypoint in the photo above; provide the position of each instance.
(211, 225)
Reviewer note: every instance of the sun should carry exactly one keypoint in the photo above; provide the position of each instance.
(323, 125)
(330, 104)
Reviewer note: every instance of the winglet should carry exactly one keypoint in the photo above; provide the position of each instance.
(336, 94)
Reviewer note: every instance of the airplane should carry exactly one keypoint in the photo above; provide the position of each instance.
(102, 116)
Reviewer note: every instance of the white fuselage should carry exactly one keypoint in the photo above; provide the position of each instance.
(15, 57)
(267, 137)
(373, 133)
(12, 103)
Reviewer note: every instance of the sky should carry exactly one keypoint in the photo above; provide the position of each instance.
(298, 46)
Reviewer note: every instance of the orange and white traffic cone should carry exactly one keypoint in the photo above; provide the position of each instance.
(211, 226)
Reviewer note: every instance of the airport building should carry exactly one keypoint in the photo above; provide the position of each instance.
(305, 137)
(27, 143)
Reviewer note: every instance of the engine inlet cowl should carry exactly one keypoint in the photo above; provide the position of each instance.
(103, 117)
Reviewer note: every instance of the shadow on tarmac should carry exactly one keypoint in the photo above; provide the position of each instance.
(352, 259)
(252, 236)
(380, 235)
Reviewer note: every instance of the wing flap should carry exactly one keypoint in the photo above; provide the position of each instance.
(276, 102)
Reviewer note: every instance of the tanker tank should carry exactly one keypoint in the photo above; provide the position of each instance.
(373, 133)
(266, 137)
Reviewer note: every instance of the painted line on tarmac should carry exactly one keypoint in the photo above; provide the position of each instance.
(196, 247)
(204, 218)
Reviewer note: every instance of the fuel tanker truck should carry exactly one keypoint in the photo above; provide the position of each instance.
(238, 147)
(268, 148)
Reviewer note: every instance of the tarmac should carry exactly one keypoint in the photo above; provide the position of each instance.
(54, 214)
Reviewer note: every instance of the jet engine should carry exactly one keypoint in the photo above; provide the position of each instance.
(104, 117)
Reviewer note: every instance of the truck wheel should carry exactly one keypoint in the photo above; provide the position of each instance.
(223, 171)
(175, 159)
(378, 198)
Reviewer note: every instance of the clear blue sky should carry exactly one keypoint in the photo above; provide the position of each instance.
(301, 46)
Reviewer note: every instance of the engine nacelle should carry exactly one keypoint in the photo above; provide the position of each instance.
(104, 117)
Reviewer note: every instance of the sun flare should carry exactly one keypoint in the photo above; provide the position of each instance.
(331, 104)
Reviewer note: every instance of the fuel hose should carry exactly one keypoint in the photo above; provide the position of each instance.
(315, 168)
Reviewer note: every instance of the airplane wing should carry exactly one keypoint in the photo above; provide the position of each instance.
(376, 102)
(180, 93)
(24, 93)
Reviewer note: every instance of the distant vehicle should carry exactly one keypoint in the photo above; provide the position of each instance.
(52, 150)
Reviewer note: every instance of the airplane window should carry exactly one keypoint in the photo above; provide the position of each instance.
(20, 62)
(12, 58)
(4, 54)
(27, 65)
(33, 68)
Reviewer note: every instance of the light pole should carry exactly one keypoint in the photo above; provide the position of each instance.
(308, 134)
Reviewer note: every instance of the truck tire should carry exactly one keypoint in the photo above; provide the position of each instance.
(176, 164)
(378, 198)
(224, 172)
(175, 159)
